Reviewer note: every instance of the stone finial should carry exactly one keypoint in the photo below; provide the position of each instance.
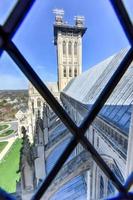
(59, 13)
(79, 21)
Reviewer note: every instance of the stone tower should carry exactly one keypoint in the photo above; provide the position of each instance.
(68, 40)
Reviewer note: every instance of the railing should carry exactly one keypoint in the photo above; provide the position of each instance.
(6, 33)
(112, 142)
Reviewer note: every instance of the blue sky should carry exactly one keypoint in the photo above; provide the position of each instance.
(34, 38)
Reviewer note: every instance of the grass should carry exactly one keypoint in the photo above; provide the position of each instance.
(8, 167)
(4, 126)
(2, 145)
(6, 133)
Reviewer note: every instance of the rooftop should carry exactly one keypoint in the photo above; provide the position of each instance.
(87, 87)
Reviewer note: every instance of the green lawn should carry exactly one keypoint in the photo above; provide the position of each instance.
(6, 133)
(8, 167)
(2, 145)
(4, 126)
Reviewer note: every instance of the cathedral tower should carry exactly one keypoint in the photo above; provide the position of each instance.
(68, 40)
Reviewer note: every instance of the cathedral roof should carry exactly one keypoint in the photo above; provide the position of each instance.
(87, 87)
(52, 86)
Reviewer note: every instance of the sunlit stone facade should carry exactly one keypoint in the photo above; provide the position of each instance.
(68, 41)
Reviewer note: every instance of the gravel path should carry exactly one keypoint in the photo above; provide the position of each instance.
(8, 146)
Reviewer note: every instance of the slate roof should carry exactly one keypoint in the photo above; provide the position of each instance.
(74, 189)
(87, 87)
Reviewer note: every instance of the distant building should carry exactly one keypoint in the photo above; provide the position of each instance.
(8, 99)
(14, 101)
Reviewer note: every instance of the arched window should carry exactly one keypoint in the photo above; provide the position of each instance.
(101, 187)
(69, 48)
(75, 72)
(64, 72)
(70, 72)
(64, 47)
(75, 48)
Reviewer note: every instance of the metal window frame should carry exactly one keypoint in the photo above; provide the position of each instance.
(6, 33)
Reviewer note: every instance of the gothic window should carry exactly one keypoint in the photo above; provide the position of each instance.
(64, 72)
(101, 187)
(69, 48)
(75, 72)
(75, 48)
(70, 72)
(38, 103)
(64, 48)
(110, 188)
(32, 107)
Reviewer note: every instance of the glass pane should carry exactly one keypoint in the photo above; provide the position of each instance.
(6, 7)
(13, 115)
(76, 85)
(129, 7)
